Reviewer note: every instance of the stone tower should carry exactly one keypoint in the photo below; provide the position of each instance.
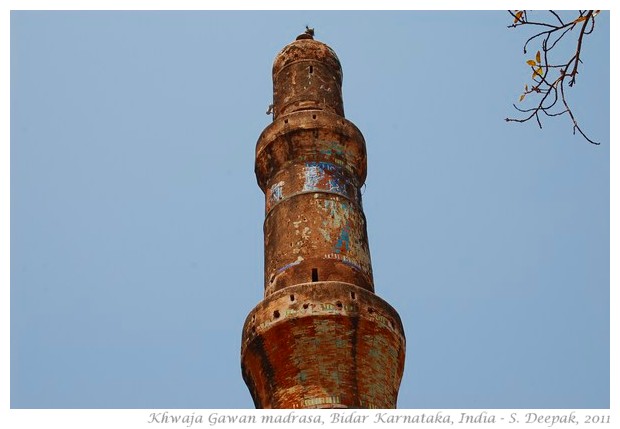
(321, 338)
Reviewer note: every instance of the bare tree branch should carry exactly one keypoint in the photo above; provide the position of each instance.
(557, 16)
(549, 74)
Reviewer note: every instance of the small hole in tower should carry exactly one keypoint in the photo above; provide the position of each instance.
(286, 121)
(339, 304)
(276, 314)
(311, 69)
(305, 306)
(371, 310)
(315, 275)
(352, 295)
(313, 116)
(292, 297)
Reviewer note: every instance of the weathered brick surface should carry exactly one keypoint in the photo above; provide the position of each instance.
(323, 344)
(321, 338)
(307, 75)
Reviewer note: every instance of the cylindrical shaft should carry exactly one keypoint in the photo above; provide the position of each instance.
(321, 338)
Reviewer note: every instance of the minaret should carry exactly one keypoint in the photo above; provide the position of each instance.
(321, 338)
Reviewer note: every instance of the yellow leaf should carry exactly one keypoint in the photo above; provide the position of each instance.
(526, 86)
(538, 57)
(522, 97)
(581, 18)
(531, 63)
(518, 16)
(537, 72)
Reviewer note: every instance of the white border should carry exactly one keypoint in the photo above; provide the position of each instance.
(15, 419)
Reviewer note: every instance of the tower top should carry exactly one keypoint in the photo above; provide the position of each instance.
(306, 75)
(306, 48)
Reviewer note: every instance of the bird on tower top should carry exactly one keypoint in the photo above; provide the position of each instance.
(308, 34)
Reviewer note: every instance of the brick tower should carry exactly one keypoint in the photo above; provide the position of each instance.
(321, 338)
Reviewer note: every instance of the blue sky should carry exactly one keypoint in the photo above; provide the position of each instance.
(136, 220)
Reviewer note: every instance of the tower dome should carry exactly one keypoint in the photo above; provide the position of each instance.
(307, 75)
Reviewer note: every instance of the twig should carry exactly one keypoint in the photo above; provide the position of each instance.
(544, 69)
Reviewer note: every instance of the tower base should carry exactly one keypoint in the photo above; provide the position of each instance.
(323, 345)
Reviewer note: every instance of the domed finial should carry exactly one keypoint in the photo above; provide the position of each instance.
(308, 34)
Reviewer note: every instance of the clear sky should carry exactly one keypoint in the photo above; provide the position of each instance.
(136, 220)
